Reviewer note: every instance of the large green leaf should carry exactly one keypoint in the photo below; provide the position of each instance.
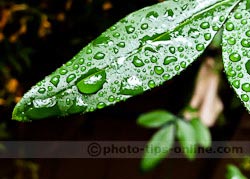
(202, 133)
(236, 52)
(158, 147)
(155, 118)
(138, 53)
(187, 138)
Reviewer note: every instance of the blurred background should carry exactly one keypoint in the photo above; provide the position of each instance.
(36, 37)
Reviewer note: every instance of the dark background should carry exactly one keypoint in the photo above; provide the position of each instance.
(37, 40)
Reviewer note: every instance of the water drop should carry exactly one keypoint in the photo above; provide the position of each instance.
(153, 59)
(111, 98)
(169, 59)
(183, 64)
(246, 87)
(144, 26)
(245, 43)
(172, 50)
(207, 36)
(50, 88)
(81, 61)
(101, 105)
(231, 73)
(194, 33)
(88, 51)
(205, 25)
(180, 49)
(158, 70)
(121, 44)
(229, 26)
(152, 14)
(240, 75)
(63, 71)
(245, 97)
(137, 62)
(222, 18)
(41, 90)
(200, 47)
(116, 34)
(55, 80)
(70, 78)
(92, 83)
(130, 29)
(69, 63)
(248, 33)
(235, 57)
(231, 40)
(237, 15)
(83, 68)
(76, 66)
(131, 86)
(244, 22)
(166, 76)
(151, 84)
(99, 56)
(236, 83)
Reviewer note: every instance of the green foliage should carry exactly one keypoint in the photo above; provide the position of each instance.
(189, 134)
(155, 118)
(158, 147)
(140, 52)
(236, 44)
(234, 173)
(202, 133)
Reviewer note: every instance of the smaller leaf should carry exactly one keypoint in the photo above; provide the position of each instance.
(187, 138)
(158, 147)
(155, 118)
(234, 173)
(202, 133)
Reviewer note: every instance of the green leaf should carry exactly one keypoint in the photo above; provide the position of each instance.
(155, 118)
(140, 52)
(187, 138)
(234, 173)
(158, 147)
(236, 55)
(202, 133)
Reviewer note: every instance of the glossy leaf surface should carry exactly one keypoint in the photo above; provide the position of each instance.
(236, 52)
(140, 52)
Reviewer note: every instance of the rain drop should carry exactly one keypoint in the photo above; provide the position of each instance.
(55, 80)
(158, 70)
(99, 56)
(169, 59)
(235, 57)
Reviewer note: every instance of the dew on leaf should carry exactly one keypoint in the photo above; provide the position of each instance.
(130, 29)
(194, 33)
(172, 50)
(180, 49)
(246, 87)
(50, 88)
(69, 63)
(158, 70)
(153, 14)
(200, 47)
(240, 75)
(245, 97)
(76, 66)
(63, 71)
(100, 105)
(245, 43)
(88, 51)
(166, 76)
(231, 40)
(121, 44)
(131, 86)
(137, 62)
(41, 90)
(99, 56)
(169, 59)
(235, 57)
(244, 22)
(248, 33)
(236, 83)
(116, 34)
(183, 64)
(111, 98)
(144, 26)
(205, 25)
(55, 80)
(237, 15)
(229, 26)
(83, 68)
(153, 59)
(151, 84)
(207, 36)
(81, 61)
(92, 83)
(70, 78)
